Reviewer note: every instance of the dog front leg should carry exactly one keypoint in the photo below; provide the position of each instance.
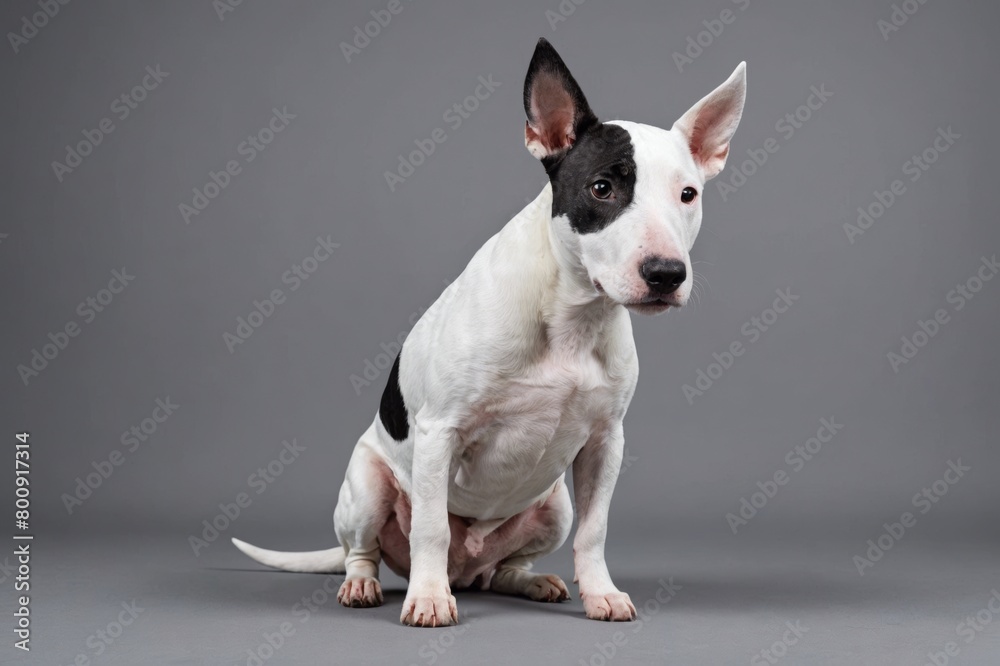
(595, 471)
(429, 602)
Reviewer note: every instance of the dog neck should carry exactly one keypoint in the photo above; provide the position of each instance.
(574, 313)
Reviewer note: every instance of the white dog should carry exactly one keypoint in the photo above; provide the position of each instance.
(525, 366)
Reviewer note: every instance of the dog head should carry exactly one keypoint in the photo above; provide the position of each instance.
(626, 197)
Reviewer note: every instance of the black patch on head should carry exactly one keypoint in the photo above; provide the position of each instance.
(603, 152)
(392, 410)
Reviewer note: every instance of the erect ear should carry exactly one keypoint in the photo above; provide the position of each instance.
(557, 110)
(710, 124)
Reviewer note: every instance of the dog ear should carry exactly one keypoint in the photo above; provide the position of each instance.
(710, 124)
(557, 110)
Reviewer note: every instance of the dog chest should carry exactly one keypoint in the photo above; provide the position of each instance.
(552, 397)
(525, 433)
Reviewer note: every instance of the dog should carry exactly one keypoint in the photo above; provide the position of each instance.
(525, 367)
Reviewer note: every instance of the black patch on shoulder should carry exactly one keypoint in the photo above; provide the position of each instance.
(392, 410)
(603, 152)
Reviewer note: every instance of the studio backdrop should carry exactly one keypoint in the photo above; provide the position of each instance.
(221, 220)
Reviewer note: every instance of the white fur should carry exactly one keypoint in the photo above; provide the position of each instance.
(521, 370)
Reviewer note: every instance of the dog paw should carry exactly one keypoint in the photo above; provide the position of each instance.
(611, 607)
(365, 592)
(430, 610)
(546, 587)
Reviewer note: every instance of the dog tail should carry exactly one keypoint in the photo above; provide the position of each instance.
(317, 561)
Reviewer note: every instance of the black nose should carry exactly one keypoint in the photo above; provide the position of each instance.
(663, 276)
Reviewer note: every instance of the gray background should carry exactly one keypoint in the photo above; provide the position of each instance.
(323, 176)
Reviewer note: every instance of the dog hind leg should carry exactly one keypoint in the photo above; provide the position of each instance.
(550, 526)
(364, 506)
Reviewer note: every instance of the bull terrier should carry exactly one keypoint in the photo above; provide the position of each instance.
(525, 366)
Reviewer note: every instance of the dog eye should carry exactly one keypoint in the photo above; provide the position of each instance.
(601, 189)
(688, 194)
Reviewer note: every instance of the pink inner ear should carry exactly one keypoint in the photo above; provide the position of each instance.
(706, 134)
(553, 113)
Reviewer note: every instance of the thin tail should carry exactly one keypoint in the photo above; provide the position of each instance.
(317, 561)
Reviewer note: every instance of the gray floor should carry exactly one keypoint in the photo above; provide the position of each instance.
(734, 599)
